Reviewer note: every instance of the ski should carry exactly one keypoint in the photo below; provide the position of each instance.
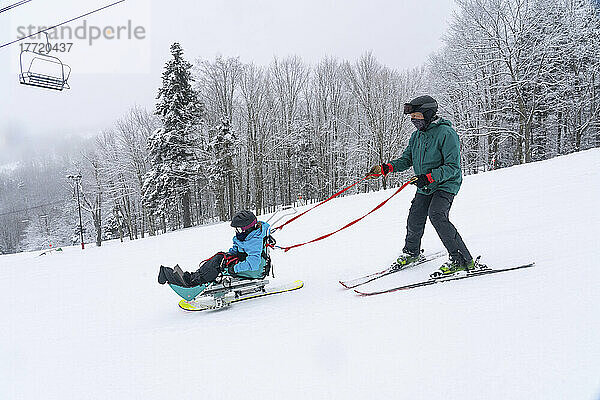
(454, 277)
(352, 283)
(214, 303)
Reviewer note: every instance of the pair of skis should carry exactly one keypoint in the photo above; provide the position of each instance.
(479, 271)
(395, 267)
(237, 295)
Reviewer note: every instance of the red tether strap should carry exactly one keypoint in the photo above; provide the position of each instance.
(324, 201)
(350, 223)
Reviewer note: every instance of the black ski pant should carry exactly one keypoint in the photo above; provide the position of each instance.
(437, 207)
(206, 273)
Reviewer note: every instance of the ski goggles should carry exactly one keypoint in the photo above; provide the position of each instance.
(241, 229)
(411, 108)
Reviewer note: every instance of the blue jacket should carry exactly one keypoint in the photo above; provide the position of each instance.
(253, 265)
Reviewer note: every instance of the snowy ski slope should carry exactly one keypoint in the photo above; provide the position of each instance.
(95, 324)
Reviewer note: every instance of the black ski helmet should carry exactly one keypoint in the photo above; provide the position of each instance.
(244, 219)
(426, 105)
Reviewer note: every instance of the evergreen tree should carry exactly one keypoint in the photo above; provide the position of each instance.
(172, 148)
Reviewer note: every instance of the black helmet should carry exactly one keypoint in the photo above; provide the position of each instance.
(244, 220)
(426, 105)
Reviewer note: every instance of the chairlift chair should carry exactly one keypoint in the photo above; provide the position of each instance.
(43, 70)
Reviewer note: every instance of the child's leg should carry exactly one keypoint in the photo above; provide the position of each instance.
(207, 272)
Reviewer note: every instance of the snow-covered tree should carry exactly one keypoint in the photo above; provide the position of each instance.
(220, 171)
(173, 147)
(380, 94)
(256, 114)
(519, 79)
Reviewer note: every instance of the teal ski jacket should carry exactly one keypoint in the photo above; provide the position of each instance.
(254, 264)
(435, 151)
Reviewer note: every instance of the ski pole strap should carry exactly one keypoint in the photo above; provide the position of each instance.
(325, 201)
(350, 223)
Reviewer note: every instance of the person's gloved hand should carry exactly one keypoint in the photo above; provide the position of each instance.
(241, 256)
(421, 180)
(230, 260)
(377, 170)
(374, 172)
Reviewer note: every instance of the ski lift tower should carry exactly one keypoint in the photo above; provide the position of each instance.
(77, 181)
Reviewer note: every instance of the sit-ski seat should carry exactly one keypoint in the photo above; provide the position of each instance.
(245, 279)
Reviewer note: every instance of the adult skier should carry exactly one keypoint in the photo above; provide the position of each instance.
(243, 260)
(434, 153)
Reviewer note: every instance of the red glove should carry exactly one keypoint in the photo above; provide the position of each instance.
(378, 170)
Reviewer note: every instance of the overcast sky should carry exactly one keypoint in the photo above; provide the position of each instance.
(109, 76)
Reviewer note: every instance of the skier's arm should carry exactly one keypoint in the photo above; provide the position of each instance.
(405, 161)
(233, 250)
(451, 156)
(252, 261)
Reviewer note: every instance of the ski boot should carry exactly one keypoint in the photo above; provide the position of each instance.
(179, 272)
(171, 275)
(454, 266)
(407, 258)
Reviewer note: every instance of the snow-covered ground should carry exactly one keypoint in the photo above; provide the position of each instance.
(95, 324)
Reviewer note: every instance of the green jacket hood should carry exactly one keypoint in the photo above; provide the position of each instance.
(438, 122)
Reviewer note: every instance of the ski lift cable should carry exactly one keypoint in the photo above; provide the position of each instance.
(62, 23)
(32, 208)
(15, 5)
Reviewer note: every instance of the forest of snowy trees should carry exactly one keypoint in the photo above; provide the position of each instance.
(519, 79)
